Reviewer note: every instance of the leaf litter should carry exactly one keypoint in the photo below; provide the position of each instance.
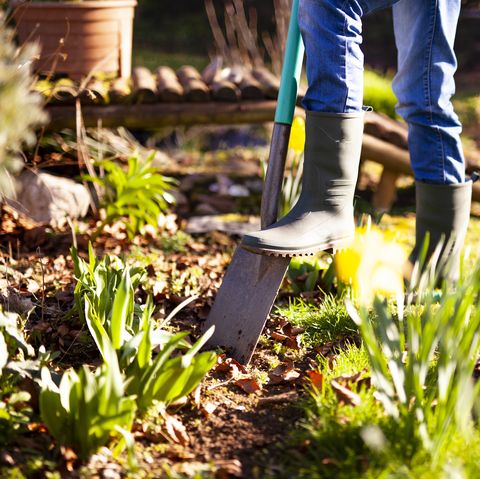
(238, 419)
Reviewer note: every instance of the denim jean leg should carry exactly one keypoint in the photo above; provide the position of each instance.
(332, 33)
(425, 33)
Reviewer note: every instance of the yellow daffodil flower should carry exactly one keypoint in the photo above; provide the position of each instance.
(297, 135)
(372, 264)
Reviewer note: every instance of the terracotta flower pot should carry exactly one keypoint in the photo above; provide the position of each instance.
(77, 38)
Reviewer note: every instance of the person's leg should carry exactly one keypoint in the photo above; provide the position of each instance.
(323, 216)
(332, 34)
(425, 33)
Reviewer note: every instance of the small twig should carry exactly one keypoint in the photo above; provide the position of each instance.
(43, 286)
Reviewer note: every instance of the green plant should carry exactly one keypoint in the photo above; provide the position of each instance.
(99, 279)
(20, 110)
(14, 409)
(324, 322)
(12, 340)
(303, 274)
(161, 378)
(423, 361)
(292, 184)
(137, 195)
(88, 408)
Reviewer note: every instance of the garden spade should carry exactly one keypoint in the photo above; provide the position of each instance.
(251, 282)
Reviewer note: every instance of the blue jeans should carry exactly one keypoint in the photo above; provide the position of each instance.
(424, 34)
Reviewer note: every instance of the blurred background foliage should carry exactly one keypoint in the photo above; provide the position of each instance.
(181, 27)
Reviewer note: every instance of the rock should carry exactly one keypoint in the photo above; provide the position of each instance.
(50, 199)
(204, 209)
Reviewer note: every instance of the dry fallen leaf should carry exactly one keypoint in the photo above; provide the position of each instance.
(230, 366)
(317, 379)
(176, 431)
(228, 468)
(344, 394)
(278, 337)
(248, 385)
(70, 457)
(209, 408)
(283, 373)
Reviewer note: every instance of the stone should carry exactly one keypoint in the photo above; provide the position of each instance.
(50, 199)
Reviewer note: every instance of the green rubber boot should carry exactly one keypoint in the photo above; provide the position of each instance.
(443, 211)
(323, 216)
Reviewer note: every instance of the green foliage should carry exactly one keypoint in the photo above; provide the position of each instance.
(20, 108)
(378, 93)
(161, 378)
(292, 185)
(12, 340)
(88, 408)
(307, 274)
(339, 440)
(137, 195)
(165, 378)
(99, 279)
(422, 363)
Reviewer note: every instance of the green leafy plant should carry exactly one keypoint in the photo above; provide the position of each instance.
(88, 408)
(422, 362)
(309, 274)
(164, 378)
(292, 184)
(99, 279)
(12, 340)
(137, 195)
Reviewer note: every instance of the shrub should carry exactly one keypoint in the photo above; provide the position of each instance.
(137, 195)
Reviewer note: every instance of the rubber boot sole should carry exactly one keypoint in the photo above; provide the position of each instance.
(330, 246)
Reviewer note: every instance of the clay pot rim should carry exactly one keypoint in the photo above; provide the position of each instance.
(87, 4)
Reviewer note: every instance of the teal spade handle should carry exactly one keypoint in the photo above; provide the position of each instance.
(287, 99)
(291, 71)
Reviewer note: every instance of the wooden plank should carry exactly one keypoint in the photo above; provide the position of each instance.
(224, 90)
(169, 88)
(144, 86)
(158, 115)
(195, 88)
(120, 90)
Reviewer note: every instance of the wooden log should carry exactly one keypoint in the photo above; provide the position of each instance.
(386, 192)
(144, 86)
(158, 115)
(120, 90)
(251, 88)
(270, 83)
(386, 128)
(168, 87)
(224, 90)
(63, 91)
(395, 159)
(194, 87)
(94, 93)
